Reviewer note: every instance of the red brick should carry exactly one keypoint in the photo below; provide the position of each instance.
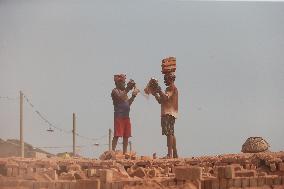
(222, 183)
(51, 185)
(9, 172)
(188, 173)
(253, 181)
(281, 166)
(15, 172)
(273, 167)
(221, 172)
(91, 172)
(230, 183)
(237, 182)
(269, 180)
(229, 172)
(138, 172)
(260, 181)
(215, 184)
(245, 173)
(207, 184)
(277, 180)
(245, 182)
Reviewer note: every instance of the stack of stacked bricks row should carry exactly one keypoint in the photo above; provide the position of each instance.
(168, 65)
(264, 170)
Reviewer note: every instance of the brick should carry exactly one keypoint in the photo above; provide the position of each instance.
(51, 185)
(138, 172)
(253, 167)
(207, 184)
(188, 173)
(80, 175)
(196, 183)
(230, 183)
(269, 180)
(237, 182)
(66, 185)
(22, 171)
(247, 166)
(229, 172)
(30, 170)
(180, 182)
(253, 181)
(260, 181)
(46, 176)
(106, 175)
(215, 184)
(277, 180)
(105, 185)
(9, 172)
(281, 166)
(245, 173)
(29, 184)
(237, 167)
(273, 167)
(221, 172)
(223, 183)
(59, 185)
(15, 172)
(37, 185)
(44, 184)
(53, 174)
(245, 182)
(91, 172)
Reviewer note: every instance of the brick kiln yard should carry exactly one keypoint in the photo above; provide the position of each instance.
(254, 170)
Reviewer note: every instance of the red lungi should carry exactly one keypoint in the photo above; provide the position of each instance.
(122, 127)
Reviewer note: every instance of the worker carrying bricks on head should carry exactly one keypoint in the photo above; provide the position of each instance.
(121, 103)
(168, 101)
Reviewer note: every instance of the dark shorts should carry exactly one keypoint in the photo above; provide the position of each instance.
(122, 127)
(167, 123)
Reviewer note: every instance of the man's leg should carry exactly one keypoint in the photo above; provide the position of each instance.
(114, 142)
(170, 145)
(175, 154)
(125, 143)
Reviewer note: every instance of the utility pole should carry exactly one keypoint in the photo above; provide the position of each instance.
(21, 125)
(109, 140)
(74, 134)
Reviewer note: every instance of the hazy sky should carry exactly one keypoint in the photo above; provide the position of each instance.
(63, 54)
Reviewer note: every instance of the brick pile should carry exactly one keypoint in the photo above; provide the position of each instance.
(261, 170)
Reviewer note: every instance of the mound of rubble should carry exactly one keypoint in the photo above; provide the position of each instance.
(117, 171)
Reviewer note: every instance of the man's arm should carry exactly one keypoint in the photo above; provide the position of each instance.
(157, 97)
(134, 94)
(165, 96)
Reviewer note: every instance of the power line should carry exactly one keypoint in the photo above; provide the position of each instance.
(8, 98)
(43, 117)
(40, 115)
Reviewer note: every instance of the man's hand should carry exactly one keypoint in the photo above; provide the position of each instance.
(135, 92)
(131, 84)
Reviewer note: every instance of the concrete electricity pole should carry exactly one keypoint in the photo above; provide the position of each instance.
(74, 134)
(21, 125)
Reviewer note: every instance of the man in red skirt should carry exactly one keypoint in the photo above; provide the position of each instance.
(121, 104)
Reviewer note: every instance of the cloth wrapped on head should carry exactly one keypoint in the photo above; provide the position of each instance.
(119, 77)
